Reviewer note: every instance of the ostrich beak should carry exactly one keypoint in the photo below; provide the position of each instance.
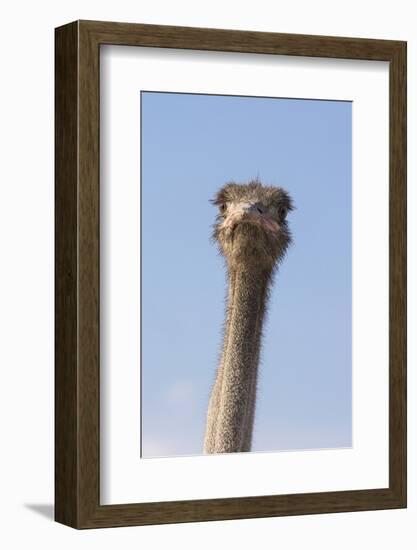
(256, 208)
(254, 212)
(247, 209)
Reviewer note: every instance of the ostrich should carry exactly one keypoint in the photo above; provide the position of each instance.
(252, 234)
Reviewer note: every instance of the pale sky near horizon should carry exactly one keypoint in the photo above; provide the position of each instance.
(191, 146)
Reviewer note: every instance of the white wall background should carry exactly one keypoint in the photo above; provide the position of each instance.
(26, 275)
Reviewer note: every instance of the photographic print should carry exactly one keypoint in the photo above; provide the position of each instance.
(246, 286)
(230, 274)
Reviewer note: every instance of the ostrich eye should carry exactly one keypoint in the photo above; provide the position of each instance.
(222, 208)
(282, 211)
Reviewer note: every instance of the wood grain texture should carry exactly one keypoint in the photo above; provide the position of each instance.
(77, 334)
(66, 237)
(398, 274)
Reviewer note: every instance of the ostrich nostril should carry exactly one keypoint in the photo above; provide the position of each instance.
(259, 210)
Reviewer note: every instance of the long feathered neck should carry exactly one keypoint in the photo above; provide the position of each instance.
(232, 403)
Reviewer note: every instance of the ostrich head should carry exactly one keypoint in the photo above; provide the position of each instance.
(251, 225)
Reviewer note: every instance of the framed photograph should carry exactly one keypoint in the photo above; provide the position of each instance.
(230, 274)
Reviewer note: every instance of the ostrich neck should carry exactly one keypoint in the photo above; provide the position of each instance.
(246, 309)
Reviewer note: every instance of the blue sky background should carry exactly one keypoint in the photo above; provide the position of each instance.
(192, 145)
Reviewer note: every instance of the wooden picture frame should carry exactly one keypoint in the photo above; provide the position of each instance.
(77, 357)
